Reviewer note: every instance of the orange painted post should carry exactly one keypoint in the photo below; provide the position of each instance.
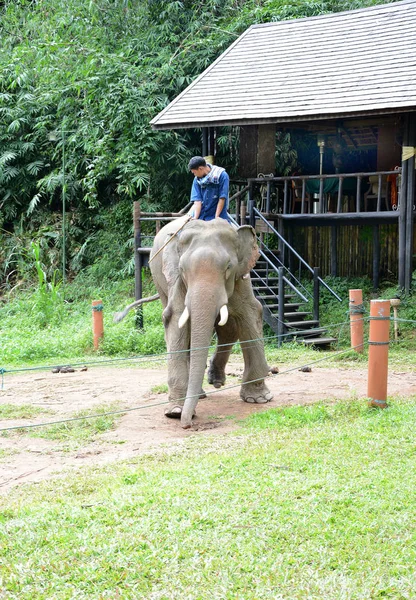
(357, 320)
(378, 353)
(97, 322)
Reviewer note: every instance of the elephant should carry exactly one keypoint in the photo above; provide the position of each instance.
(201, 272)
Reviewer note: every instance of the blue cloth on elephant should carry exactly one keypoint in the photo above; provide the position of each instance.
(208, 190)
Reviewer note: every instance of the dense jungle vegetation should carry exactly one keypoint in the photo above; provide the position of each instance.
(92, 75)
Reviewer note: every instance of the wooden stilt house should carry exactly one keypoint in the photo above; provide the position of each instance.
(344, 86)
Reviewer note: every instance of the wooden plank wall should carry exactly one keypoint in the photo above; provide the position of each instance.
(354, 249)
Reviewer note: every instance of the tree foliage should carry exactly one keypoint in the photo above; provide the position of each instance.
(92, 75)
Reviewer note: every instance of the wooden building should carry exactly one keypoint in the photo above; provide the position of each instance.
(344, 83)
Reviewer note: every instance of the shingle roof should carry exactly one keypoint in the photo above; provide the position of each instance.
(342, 64)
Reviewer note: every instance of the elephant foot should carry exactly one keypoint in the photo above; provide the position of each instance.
(216, 377)
(174, 411)
(256, 393)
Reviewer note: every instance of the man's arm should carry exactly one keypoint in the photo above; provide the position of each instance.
(197, 209)
(223, 193)
(220, 206)
(196, 198)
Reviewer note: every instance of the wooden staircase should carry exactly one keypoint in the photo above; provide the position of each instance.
(297, 320)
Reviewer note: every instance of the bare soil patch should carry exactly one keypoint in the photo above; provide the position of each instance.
(26, 459)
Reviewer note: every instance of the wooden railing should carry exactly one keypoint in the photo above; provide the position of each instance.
(320, 194)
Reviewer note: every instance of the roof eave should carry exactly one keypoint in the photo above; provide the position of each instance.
(292, 119)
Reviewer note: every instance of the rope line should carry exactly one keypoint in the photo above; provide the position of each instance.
(158, 357)
(357, 309)
(209, 393)
(165, 355)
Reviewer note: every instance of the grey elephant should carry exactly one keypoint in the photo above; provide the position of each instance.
(201, 272)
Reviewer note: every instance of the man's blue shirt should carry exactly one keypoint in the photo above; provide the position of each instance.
(209, 190)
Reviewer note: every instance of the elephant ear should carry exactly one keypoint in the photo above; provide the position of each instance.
(248, 251)
(170, 262)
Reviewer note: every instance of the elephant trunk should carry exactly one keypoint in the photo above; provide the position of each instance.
(203, 313)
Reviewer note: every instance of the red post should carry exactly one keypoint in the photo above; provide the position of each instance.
(378, 353)
(97, 322)
(357, 320)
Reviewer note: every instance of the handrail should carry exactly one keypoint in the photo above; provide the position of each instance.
(282, 239)
(289, 247)
(266, 258)
(324, 176)
(315, 184)
(186, 208)
(239, 193)
(286, 269)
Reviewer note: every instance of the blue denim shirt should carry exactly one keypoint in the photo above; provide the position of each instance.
(209, 190)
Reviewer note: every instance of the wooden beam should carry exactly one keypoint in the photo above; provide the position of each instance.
(411, 174)
(266, 149)
(248, 151)
(403, 210)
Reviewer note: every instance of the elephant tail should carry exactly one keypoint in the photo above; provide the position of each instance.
(120, 315)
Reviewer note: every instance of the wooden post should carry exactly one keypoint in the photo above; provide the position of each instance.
(138, 263)
(378, 353)
(403, 209)
(376, 257)
(411, 200)
(395, 303)
(243, 213)
(291, 240)
(334, 253)
(97, 322)
(250, 206)
(356, 320)
(281, 309)
(204, 141)
(316, 294)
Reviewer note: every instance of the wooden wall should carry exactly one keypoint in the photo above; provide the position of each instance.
(354, 249)
(257, 150)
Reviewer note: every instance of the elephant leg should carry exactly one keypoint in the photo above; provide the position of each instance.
(177, 343)
(227, 336)
(250, 334)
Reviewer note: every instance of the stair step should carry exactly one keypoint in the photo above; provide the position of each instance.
(311, 333)
(263, 271)
(274, 288)
(269, 279)
(256, 288)
(275, 296)
(294, 315)
(304, 324)
(319, 341)
(287, 308)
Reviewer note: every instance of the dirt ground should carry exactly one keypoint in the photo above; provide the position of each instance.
(26, 459)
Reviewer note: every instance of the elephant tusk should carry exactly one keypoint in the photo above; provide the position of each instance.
(183, 318)
(223, 315)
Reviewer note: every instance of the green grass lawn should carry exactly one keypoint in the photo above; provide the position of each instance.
(302, 502)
